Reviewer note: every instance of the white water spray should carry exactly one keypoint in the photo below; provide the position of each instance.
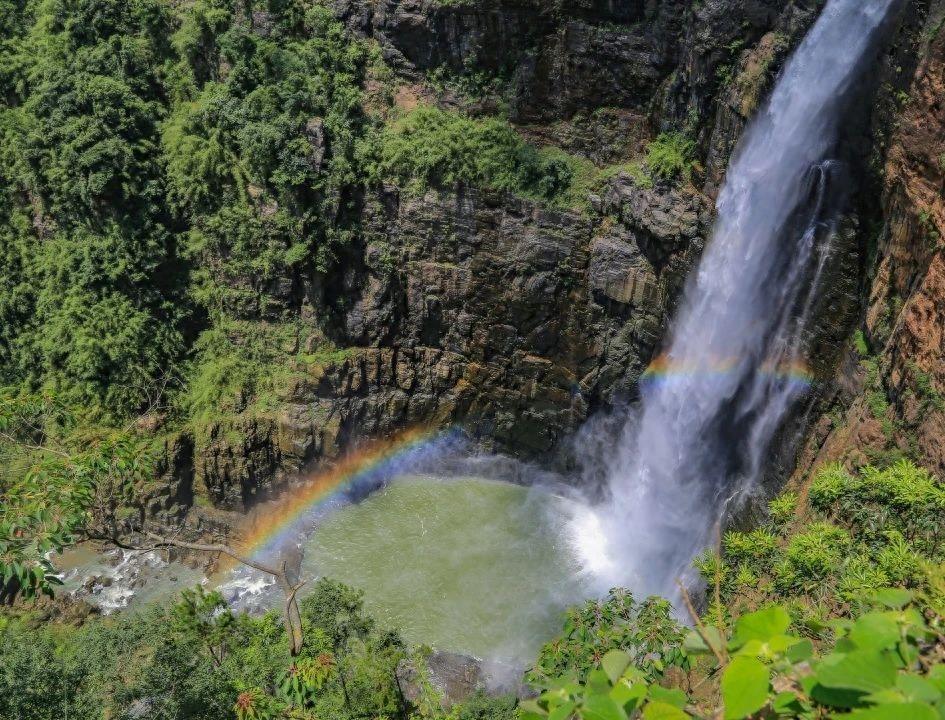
(702, 432)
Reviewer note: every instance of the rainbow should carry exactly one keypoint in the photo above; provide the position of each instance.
(664, 370)
(360, 472)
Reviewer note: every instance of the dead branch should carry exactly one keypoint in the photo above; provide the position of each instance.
(700, 627)
(293, 617)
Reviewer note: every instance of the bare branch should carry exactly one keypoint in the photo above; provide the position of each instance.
(160, 541)
(700, 627)
(36, 448)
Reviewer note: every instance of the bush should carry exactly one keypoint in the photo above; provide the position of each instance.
(811, 556)
(751, 548)
(197, 658)
(670, 156)
(782, 508)
(433, 147)
(483, 707)
(870, 528)
(902, 497)
(647, 631)
(881, 665)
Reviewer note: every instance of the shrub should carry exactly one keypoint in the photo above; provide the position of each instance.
(433, 147)
(812, 556)
(881, 665)
(782, 508)
(830, 484)
(752, 548)
(902, 497)
(860, 577)
(901, 564)
(670, 156)
(647, 631)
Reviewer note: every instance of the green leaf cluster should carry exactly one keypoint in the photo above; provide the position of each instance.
(646, 631)
(883, 664)
(864, 530)
(670, 156)
(52, 493)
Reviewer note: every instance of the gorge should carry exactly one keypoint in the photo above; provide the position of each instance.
(486, 307)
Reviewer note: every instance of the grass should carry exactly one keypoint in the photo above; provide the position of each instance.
(860, 531)
(249, 368)
(431, 147)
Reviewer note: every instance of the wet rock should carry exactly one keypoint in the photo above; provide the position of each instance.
(455, 676)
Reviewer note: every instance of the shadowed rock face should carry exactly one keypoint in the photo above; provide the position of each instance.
(465, 307)
(890, 403)
(564, 57)
(479, 310)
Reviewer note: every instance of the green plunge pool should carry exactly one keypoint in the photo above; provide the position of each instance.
(468, 565)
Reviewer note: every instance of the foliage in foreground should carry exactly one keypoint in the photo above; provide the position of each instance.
(647, 631)
(857, 631)
(885, 665)
(54, 492)
(198, 659)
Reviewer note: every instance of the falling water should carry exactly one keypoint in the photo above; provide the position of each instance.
(705, 423)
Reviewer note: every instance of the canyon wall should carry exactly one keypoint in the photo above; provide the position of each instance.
(516, 322)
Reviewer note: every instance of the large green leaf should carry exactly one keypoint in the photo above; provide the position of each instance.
(895, 598)
(843, 680)
(663, 711)
(918, 689)
(875, 631)
(671, 696)
(602, 707)
(695, 645)
(761, 625)
(745, 685)
(562, 712)
(629, 696)
(614, 663)
(899, 711)
(864, 670)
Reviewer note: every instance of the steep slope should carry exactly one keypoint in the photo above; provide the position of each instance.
(888, 401)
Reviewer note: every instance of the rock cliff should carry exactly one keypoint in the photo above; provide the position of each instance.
(465, 307)
(888, 400)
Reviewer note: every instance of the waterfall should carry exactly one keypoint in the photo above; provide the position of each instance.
(734, 366)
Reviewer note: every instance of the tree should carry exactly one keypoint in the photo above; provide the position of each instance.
(63, 495)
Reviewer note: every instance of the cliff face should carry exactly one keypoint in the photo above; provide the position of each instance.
(483, 311)
(889, 400)
(464, 307)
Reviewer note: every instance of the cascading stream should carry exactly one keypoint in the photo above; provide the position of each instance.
(723, 387)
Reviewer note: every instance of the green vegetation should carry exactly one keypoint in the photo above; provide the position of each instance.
(164, 167)
(866, 531)
(670, 156)
(858, 631)
(876, 667)
(646, 630)
(245, 367)
(50, 488)
(197, 659)
(856, 570)
(181, 180)
(179, 184)
(429, 146)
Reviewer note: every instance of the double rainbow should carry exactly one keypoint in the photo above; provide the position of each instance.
(363, 470)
